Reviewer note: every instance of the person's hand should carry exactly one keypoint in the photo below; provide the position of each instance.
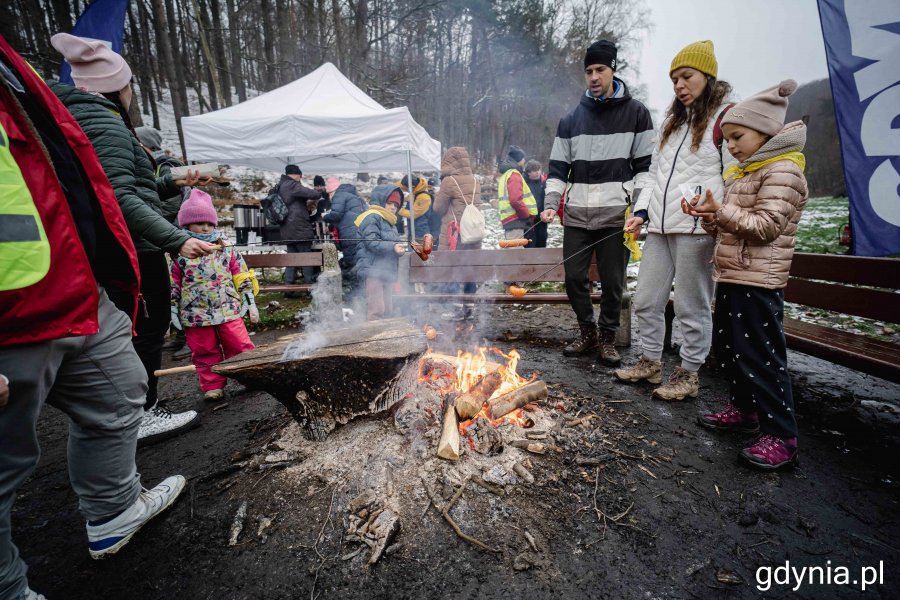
(547, 215)
(4, 391)
(194, 248)
(633, 224)
(254, 314)
(399, 249)
(175, 319)
(705, 209)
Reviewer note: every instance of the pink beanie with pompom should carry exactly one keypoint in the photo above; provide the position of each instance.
(765, 111)
(332, 184)
(94, 66)
(198, 208)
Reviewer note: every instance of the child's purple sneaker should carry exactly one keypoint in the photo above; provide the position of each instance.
(730, 419)
(771, 453)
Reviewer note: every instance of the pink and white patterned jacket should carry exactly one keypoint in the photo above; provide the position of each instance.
(203, 289)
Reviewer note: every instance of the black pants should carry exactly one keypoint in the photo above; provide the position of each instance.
(310, 274)
(612, 258)
(540, 235)
(153, 315)
(748, 339)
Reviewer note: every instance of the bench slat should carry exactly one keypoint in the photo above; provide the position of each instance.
(858, 270)
(535, 298)
(493, 258)
(483, 273)
(290, 259)
(863, 302)
(286, 287)
(874, 357)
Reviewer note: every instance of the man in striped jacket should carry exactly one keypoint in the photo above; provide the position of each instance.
(607, 140)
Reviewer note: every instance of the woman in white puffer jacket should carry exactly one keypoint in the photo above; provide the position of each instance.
(690, 153)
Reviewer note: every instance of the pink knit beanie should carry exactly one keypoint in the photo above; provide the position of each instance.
(94, 66)
(198, 208)
(765, 111)
(332, 184)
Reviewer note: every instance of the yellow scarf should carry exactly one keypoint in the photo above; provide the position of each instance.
(738, 172)
(631, 241)
(377, 210)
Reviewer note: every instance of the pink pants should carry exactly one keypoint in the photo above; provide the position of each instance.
(213, 344)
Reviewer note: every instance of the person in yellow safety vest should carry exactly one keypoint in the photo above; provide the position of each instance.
(518, 208)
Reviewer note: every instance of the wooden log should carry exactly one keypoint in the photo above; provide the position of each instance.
(468, 404)
(327, 378)
(448, 446)
(505, 404)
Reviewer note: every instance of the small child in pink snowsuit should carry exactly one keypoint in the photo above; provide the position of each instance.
(205, 300)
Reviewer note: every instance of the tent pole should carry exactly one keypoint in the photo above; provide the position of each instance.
(409, 180)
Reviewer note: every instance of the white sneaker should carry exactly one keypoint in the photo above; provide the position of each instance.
(30, 594)
(160, 423)
(109, 537)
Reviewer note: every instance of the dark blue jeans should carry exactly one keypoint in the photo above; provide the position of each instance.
(310, 274)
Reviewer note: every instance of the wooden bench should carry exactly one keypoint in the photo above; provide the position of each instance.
(281, 261)
(853, 285)
(499, 265)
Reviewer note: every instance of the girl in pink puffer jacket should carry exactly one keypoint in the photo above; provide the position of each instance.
(755, 228)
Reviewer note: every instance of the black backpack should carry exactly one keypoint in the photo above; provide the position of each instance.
(274, 208)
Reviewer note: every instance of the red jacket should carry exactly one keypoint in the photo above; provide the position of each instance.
(64, 302)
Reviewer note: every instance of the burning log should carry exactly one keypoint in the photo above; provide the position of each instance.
(448, 446)
(327, 378)
(519, 397)
(469, 404)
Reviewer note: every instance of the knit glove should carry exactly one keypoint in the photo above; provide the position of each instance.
(248, 306)
(176, 321)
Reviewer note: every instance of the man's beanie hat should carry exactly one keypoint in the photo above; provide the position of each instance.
(149, 137)
(516, 153)
(198, 208)
(765, 111)
(94, 66)
(700, 56)
(603, 52)
(292, 170)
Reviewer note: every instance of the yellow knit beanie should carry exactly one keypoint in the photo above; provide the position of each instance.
(698, 55)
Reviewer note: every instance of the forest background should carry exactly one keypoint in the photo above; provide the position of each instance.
(478, 73)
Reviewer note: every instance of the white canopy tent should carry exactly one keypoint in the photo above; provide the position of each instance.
(321, 122)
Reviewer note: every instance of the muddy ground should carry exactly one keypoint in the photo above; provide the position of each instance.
(682, 519)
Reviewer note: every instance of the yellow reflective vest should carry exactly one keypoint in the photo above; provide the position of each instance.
(506, 209)
(24, 248)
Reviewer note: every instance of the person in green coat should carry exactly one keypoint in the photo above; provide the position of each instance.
(100, 105)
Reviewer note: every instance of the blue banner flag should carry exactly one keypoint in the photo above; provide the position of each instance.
(103, 20)
(862, 44)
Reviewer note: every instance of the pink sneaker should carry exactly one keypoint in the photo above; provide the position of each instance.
(771, 453)
(730, 419)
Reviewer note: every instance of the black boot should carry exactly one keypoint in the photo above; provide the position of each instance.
(609, 356)
(586, 342)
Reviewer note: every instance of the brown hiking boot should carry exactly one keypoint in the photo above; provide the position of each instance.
(644, 370)
(609, 356)
(586, 342)
(682, 383)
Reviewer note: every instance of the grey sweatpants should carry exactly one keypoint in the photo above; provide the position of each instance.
(99, 382)
(684, 259)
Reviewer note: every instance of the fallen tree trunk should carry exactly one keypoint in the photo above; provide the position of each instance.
(468, 404)
(326, 378)
(505, 404)
(448, 446)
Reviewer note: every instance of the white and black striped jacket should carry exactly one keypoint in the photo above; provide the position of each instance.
(599, 145)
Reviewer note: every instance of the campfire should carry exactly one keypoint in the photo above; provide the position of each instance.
(479, 396)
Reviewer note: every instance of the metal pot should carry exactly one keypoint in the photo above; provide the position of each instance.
(244, 216)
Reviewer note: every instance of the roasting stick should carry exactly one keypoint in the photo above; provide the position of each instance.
(538, 278)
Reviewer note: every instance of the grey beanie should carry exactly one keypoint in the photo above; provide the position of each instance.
(149, 137)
